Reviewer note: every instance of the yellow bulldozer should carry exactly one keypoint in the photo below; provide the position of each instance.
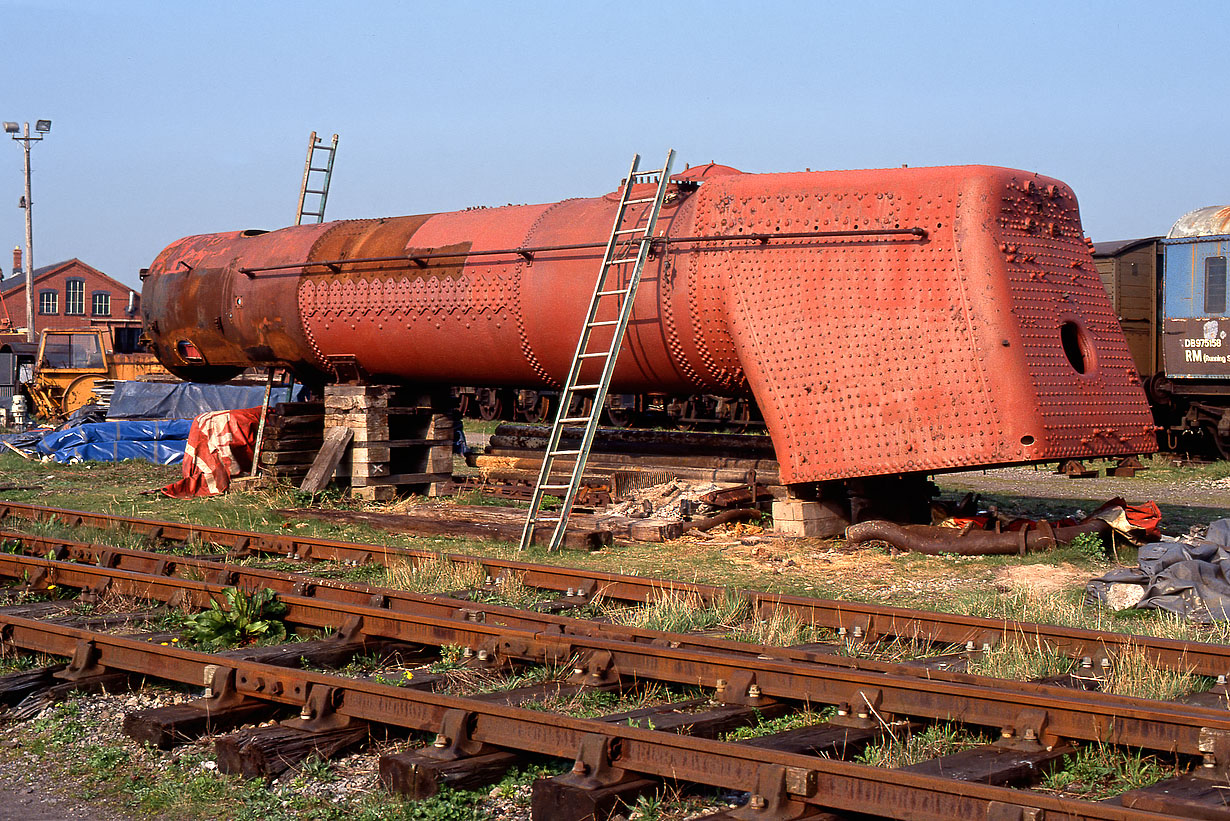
(79, 366)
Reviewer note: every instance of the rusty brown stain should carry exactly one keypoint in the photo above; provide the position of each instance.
(362, 239)
(1222, 218)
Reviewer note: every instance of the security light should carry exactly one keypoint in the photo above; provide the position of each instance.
(10, 128)
(42, 126)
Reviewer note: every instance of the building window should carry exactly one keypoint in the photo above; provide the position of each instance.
(48, 302)
(100, 303)
(1215, 285)
(74, 297)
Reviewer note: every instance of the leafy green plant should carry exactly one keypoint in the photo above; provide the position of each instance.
(1089, 545)
(451, 658)
(248, 618)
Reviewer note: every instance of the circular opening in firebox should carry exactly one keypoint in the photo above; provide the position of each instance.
(1076, 346)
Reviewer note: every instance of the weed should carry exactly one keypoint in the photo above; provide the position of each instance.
(248, 618)
(1089, 545)
(1098, 771)
(1131, 673)
(648, 807)
(683, 611)
(317, 768)
(781, 629)
(935, 741)
(452, 657)
(770, 726)
(1021, 660)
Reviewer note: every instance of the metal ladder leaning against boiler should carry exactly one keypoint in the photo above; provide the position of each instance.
(626, 266)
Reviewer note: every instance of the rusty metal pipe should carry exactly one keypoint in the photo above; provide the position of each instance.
(585, 246)
(726, 517)
(934, 540)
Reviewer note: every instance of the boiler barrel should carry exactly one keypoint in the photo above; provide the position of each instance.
(885, 321)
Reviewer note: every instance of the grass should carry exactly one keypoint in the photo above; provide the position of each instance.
(1099, 771)
(1020, 659)
(591, 703)
(12, 661)
(682, 611)
(177, 786)
(781, 628)
(937, 740)
(770, 726)
(1131, 673)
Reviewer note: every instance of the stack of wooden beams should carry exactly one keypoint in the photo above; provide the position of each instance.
(294, 432)
(401, 442)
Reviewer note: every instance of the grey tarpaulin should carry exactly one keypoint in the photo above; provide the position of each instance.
(1190, 577)
(185, 400)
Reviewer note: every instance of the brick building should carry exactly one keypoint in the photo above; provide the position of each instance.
(70, 294)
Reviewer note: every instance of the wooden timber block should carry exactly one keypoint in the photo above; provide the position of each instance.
(327, 460)
(833, 740)
(375, 493)
(553, 799)
(267, 752)
(37, 700)
(15, 687)
(317, 653)
(364, 454)
(175, 724)
(683, 717)
(808, 815)
(339, 389)
(654, 530)
(1187, 796)
(419, 776)
(992, 764)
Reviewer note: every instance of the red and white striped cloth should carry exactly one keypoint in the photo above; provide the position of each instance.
(220, 445)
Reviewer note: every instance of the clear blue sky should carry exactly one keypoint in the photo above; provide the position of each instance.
(176, 118)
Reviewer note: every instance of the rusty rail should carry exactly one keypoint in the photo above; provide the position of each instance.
(866, 621)
(1035, 711)
(782, 783)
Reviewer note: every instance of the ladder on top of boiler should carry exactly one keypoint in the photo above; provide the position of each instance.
(317, 173)
(625, 255)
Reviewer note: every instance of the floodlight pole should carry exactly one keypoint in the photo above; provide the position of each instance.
(42, 127)
(30, 335)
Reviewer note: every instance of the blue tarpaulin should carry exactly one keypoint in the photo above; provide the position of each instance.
(163, 452)
(159, 441)
(185, 400)
(111, 432)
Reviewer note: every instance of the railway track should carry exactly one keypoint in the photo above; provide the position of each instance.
(782, 773)
(859, 621)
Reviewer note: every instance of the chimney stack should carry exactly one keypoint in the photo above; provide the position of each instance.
(16, 260)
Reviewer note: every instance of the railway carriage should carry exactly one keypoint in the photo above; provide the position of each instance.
(1169, 294)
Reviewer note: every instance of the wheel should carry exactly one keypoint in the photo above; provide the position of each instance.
(691, 419)
(540, 411)
(78, 393)
(741, 419)
(621, 417)
(490, 404)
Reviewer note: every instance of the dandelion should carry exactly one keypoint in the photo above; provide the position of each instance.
(409, 675)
